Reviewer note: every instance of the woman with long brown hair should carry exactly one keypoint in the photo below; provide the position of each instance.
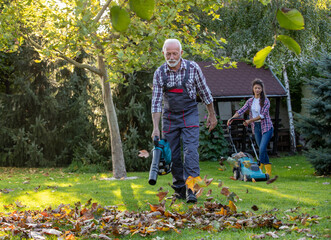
(260, 120)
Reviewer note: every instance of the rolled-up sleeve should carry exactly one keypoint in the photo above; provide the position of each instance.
(244, 108)
(202, 87)
(157, 92)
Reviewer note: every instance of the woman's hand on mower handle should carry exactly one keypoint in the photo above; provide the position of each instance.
(229, 122)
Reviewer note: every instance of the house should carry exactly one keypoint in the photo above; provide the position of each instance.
(232, 87)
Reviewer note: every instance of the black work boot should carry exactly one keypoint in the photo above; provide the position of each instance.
(180, 192)
(190, 196)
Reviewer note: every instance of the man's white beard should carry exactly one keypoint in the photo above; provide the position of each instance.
(172, 63)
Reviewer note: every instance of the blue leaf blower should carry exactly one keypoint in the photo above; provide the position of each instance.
(161, 162)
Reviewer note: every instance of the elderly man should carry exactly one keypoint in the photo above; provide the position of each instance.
(177, 82)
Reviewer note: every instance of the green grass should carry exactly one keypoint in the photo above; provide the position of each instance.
(296, 187)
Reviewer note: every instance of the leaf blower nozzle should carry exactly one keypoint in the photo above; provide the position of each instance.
(161, 161)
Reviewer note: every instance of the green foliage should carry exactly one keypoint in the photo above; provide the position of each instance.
(213, 145)
(143, 8)
(260, 57)
(120, 18)
(48, 119)
(289, 19)
(248, 27)
(290, 43)
(316, 127)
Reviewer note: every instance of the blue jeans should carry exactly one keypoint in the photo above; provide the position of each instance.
(262, 141)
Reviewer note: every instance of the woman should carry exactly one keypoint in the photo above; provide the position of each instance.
(260, 121)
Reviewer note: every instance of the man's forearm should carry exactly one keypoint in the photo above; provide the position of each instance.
(210, 109)
(156, 121)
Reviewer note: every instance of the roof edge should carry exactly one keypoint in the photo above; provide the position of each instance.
(247, 96)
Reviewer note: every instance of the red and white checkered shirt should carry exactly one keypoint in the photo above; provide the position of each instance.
(196, 84)
(266, 123)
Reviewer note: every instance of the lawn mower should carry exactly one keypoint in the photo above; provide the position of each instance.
(244, 167)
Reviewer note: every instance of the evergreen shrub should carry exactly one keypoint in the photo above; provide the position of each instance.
(316, 126)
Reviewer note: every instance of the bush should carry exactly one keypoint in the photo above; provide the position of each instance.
(316, 126)
(213, 145)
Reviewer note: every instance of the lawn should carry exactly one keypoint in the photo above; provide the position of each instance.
(296, 197)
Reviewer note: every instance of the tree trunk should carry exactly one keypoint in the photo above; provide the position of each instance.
(118, 162)
(289, 108)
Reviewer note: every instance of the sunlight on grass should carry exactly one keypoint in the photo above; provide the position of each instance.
(278, 194)
(46, 198)
(118, 194)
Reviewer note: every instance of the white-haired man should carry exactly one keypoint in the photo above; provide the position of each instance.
(177, 83)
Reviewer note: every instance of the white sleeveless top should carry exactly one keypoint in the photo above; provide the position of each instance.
(256, 108)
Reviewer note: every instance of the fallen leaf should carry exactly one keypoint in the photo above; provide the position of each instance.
(220, 184)
(162, 195)
(209, 192)
(19, 204)
(88, 203)
(209, 199)
(36, 188)
(51, 232)
(272, 234)
(173, 200)
(199, 192)
(208, 181)
(191, 181)
(196, 187)
(221, 161)
(143, 153)
(232, 206)
(255, 208)
(232, 197)
(225, 191)
(261, 236)
(272, 180)
(233, 178)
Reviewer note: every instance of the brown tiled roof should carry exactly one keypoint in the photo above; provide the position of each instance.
(236, 82)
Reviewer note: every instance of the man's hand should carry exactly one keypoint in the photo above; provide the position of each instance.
(211, 122)
(156, 132)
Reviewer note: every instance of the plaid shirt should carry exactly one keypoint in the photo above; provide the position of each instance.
(266, 123)
(196, 83)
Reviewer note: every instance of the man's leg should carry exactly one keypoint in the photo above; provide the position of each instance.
(177, 171)
(190, 138)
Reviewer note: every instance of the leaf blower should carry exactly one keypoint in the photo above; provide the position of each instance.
(161, 162)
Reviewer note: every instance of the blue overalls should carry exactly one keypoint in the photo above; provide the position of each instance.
(181, 122)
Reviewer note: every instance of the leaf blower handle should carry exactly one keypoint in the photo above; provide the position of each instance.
(156, 141)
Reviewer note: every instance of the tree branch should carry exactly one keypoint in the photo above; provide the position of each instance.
(80, 65)
(61, 55)
(97, 18)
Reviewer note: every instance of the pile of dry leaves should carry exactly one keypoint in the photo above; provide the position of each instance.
(95, 221)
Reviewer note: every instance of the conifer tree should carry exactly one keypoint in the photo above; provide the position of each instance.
(316, 127)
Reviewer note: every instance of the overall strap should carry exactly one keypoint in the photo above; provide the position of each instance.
(186, 73)
(164, 77)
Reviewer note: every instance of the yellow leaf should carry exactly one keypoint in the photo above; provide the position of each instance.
(191, 181)
(232, 206)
